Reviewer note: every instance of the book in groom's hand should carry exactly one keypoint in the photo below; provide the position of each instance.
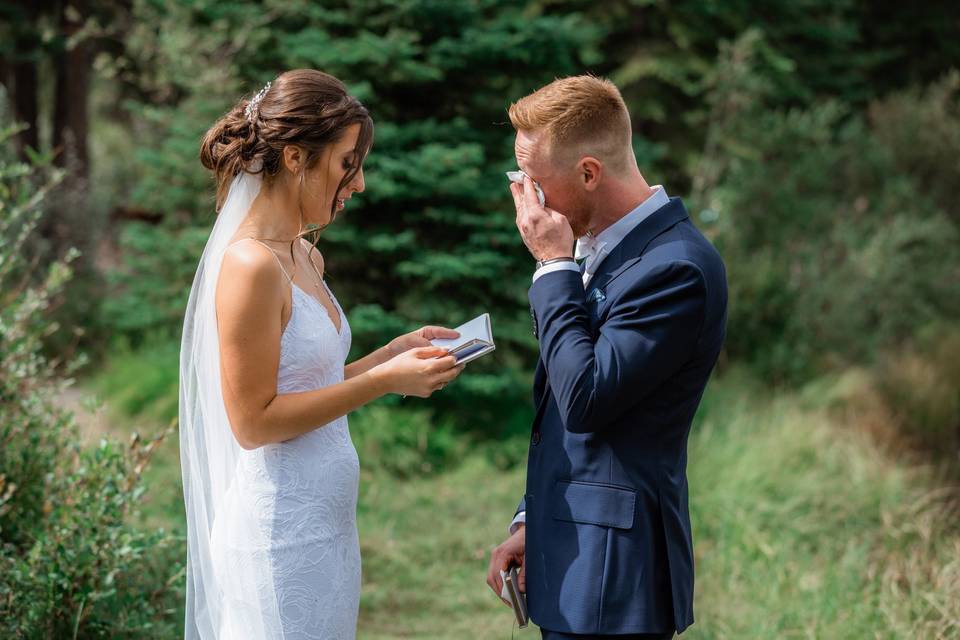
(511, 594)
(476, 339)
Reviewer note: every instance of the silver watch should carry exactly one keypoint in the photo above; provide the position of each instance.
(543, 263)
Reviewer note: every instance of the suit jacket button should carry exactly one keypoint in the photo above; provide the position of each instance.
(535, 439)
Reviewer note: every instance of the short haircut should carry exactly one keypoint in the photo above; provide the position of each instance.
(580, 115)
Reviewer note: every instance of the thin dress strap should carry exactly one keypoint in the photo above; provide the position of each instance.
(314, 265)
(275, 257)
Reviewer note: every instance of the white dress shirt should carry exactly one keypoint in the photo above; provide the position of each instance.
(595, 249)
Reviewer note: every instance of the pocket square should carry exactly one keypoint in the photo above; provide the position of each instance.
(597, 296)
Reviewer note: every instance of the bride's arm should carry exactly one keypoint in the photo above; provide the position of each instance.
(413, 340)
(250, 297)
(368, 362)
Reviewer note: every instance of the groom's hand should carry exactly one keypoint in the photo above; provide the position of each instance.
(510, 552)
(546, 232)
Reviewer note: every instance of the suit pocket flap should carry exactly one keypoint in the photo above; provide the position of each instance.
(590, 503)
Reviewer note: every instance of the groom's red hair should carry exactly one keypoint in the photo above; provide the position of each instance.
(580, 115)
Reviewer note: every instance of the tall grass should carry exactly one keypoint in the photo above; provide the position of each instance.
(804, 526)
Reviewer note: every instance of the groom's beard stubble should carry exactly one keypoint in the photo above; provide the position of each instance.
(579, 217)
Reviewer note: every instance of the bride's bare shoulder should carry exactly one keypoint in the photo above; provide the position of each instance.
(249, 268)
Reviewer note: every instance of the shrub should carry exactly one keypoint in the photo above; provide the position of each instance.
(71, 565)
(836, 250)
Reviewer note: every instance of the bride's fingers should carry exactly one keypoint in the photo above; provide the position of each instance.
(432, 333)
(449, 376)
(443, 363)
(425, 353)
(419, 341)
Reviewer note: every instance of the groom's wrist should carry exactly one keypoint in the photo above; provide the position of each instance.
(560, 265)
(554, 260)
(519, 521)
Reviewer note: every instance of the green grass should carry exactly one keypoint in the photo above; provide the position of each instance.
(803, 528)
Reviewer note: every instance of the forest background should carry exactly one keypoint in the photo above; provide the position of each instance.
(815, 142)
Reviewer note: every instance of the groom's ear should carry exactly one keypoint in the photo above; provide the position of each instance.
(590, 171)
(293, 158)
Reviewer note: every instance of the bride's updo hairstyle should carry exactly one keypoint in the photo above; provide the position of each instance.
(303, 107)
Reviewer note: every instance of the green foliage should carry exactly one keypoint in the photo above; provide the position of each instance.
(760, 113)
(920, 130)
(70, 564)
(833, 250)
(151, 288)
(142, 382)
(404, 442)
(664, 56)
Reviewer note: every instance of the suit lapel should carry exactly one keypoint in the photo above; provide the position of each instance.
(631, 248)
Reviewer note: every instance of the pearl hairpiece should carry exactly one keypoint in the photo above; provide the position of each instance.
(254, 105)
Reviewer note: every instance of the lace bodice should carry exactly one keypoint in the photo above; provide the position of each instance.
(306, 359)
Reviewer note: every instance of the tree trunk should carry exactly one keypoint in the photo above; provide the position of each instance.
(25, 103)
(70, 99)
(68, 225)
(20, 74)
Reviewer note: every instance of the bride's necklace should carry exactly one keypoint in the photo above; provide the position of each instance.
(315, 278)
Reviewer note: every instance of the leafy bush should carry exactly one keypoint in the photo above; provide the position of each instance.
(836, 248)
(920, 128)
(71, 565)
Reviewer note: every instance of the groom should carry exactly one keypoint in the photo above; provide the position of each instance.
(630, 326)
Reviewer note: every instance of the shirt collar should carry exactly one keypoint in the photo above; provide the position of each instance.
(606, 240)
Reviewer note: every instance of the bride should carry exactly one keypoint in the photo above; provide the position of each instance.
(269, 471)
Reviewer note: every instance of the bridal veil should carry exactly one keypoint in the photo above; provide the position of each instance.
(225, 599)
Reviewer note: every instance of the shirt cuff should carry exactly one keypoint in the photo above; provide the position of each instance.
(520, 518)
(555, 266)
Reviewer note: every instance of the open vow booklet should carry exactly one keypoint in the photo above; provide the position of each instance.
(476, 339)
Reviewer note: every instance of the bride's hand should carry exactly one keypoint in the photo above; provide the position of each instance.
(418, 372)
(419, 338)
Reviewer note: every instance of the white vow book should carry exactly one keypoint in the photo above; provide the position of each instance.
(476, 339)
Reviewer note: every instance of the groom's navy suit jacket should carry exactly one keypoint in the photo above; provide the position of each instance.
(623, 365)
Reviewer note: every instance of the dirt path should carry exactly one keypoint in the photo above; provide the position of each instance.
(91, 414)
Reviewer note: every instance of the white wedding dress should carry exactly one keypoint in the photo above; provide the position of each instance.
(300, 496)
(272, 545)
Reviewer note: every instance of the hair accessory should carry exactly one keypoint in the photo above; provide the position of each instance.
(254, 105)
